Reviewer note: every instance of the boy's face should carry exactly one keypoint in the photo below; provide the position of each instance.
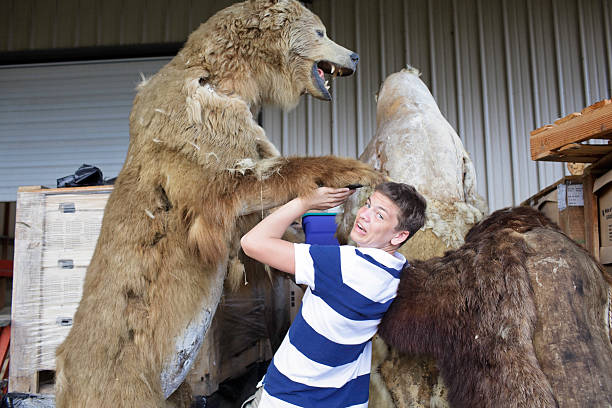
(375, 224)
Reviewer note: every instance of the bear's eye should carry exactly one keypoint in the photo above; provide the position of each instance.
(320, 33)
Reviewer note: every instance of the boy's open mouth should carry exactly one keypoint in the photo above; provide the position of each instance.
(323, 67)
(360, 228)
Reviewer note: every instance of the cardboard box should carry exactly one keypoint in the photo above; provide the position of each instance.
(570, 202)
(602, 188)
(547, 204)
(563, 203)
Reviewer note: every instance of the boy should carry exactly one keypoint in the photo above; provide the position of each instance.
(324, 360)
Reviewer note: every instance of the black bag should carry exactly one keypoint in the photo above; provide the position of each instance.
(86, 175)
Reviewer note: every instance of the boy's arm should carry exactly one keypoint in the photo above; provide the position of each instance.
(264, 244)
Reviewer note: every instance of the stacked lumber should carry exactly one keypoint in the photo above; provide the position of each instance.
(567, 140)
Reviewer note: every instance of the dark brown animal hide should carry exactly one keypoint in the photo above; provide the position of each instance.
(514, 318)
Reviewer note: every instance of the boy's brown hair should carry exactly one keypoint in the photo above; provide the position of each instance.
(411, 204)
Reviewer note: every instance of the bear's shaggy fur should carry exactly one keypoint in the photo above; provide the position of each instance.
(196, 163)
(514, 318)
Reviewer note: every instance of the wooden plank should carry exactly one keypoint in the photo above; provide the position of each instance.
(585, 149)
(76, 190)
(28, 255)
(556, 157)
(591, 215)
(595, 123)
(578, 153)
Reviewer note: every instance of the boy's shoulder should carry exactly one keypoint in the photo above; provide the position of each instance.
(380, 256)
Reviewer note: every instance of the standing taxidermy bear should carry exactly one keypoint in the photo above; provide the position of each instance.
(196, 162)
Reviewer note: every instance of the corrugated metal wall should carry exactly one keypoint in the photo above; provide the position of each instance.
(45, 24)
(498, 69)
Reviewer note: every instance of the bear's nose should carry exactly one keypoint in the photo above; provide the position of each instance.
(355, 57)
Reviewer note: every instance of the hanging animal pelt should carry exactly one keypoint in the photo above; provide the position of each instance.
(516, 317)
(414, 144)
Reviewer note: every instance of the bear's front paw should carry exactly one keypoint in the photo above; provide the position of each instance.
(357, 173)
(370, 177)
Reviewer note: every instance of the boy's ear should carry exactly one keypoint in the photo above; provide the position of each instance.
(400, 237)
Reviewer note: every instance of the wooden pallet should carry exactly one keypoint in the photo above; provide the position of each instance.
(564, 140)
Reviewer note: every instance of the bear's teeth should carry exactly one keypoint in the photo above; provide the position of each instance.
(333, 68)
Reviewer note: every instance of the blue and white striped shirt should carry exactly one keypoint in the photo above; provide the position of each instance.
(324, 361)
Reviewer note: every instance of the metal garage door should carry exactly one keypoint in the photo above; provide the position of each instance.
(55, 117)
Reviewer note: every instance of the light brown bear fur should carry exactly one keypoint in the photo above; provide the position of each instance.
(196, 162)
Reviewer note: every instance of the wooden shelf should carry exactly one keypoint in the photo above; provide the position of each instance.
(564, 140)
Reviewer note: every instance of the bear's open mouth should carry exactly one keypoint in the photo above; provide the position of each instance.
(320, 68)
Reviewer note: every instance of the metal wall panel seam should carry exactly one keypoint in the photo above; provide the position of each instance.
(557, 42)
(32, 27)
(608, 31)
(122, 23)
(381, 33)
(406, 39)
(535, 93)
(77, 25)
(485, 108)
(583, 55)
(190, 17)
(432, 51)
(54, 30)
(11, 25)
(458, 74)
(145, 25)
(309, 129)
(359, 91)
(166, 27)
(98, 6)
(334, 107)
(514, 153)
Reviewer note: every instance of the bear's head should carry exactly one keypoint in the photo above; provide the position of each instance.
(267, 52)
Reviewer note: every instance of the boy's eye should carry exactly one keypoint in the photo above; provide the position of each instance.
(379, 215)
(320, 33)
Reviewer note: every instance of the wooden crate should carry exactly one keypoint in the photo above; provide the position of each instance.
(591, 209)
(571, 219)
(563, 140)
(56, 234)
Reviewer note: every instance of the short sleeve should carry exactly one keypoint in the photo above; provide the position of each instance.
(304, 267)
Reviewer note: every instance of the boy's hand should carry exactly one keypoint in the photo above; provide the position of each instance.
(324, 198)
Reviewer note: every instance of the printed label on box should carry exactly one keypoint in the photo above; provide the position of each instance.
(561, 200)
(574, 195)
